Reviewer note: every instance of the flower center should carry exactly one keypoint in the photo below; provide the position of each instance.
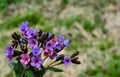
(25, 59)
(36, 61)
(33, 42)
(67, 61)
(49, 44)
(32, 34)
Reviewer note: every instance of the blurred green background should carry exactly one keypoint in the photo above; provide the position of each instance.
(92, 26)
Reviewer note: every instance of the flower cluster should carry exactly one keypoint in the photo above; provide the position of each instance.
(36, 46)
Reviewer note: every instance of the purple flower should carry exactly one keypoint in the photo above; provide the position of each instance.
(33, 43)
(31, 33)
(58, 45)
(53, 55)
(66, 43)
(61, 38)
(24, 26)
(50, 45)
(36, 51)
(22, 40)
(49, 34)
(25, 33)
(9, 52)
(67, 61)
(36, 61)
(25, 59)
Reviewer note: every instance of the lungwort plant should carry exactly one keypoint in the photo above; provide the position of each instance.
(30, 49)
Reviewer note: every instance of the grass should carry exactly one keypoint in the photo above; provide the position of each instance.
(38, 19)
(105, 44)
(110, 69)
(4, 42)
(31, 16)
(68, 22)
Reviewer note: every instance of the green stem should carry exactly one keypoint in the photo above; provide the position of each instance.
(23, 73)
(45, 58)
(40, 73)
(50, 65)
(56, 64)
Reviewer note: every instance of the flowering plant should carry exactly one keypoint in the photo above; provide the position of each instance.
(29, 51)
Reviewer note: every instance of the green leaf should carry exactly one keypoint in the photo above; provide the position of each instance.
(29, 73)
(55, 69)
(19, 69)
(40, 73)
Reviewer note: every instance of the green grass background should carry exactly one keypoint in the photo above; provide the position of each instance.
(81, 21)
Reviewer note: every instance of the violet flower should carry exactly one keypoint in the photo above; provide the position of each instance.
(33, 43)
(36, 51)
(9, 52)
(66, 43)
(31, 33)
(24, 33)
(25, 59)
(49, 34)
(53, 55)
(67, 61)
(24, 26)
(61, 38)
(50, 45)
(58, 45)
(36, 61)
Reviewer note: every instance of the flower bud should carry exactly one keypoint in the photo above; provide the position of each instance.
(60, 57)
(15, 36)
(44, 36)
(76, 62)
(22, 40)
(51, 37)
(75, 54)
(75, 58)
(40, 33)
(17, 53)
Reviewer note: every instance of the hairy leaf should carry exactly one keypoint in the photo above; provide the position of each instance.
(19, 69)
(55, 69)
(29, 73)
